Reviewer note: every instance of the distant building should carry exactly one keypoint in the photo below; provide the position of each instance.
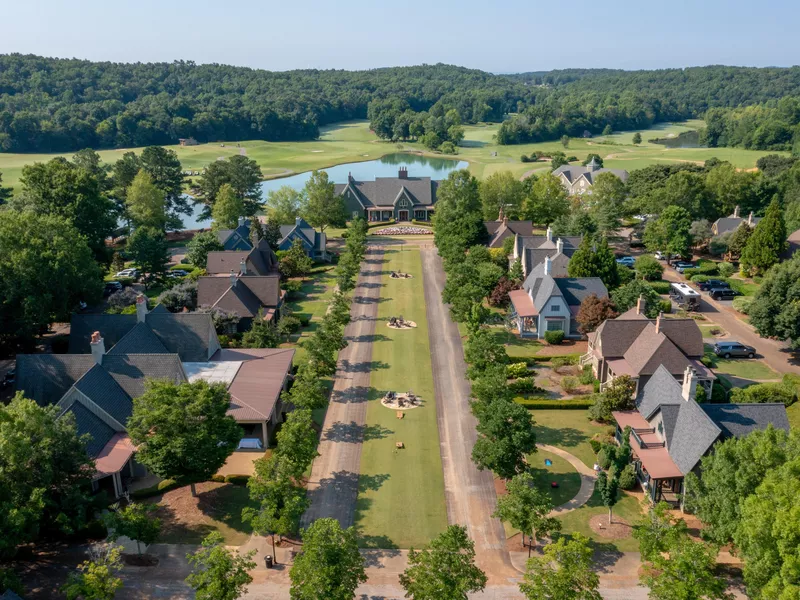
(732, 222)
(188, 141)
(401, 198)
(503, 228)
(579, 180)
(314, 242)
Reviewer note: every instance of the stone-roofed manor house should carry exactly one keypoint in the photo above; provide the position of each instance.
(579, 180)
(531, 251)
(502, 229)
(671, 432)
(548, 302)
(244, 282)
(110, 358)
(636, 346)
(731, 222)
(401, 198)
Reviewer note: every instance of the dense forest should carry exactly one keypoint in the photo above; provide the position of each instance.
(774, 125)
(59, 105)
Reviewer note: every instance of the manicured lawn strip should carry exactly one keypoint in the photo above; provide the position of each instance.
(706, 330)
(577, 521)
(745, 368)
(516, 347)
(569, 430)
(401, 492)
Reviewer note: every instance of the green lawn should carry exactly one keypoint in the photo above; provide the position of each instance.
(561, 471)
(312, 302)
(516, 347)
(401, 492)
(577, 521)
(745, 368)
(706, 330)
(569, 430)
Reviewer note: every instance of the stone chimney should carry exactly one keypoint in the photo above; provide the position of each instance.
(549, 234)
(548, 265)
(641, 304)
(560, 246)
(658, 322)
(242, 221)
(736, 212)
(750, 219)
(689, 384)
(243, 267)
(297, 221)
(233, 278)
(141, 308)
(403, 173)
(98, 347)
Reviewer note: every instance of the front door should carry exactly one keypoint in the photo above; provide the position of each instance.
(402, 215)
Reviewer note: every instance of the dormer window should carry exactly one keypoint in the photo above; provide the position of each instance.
(555, 308)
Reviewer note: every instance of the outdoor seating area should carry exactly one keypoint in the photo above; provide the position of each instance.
(401, 401)
(399, 275)
(400, 323)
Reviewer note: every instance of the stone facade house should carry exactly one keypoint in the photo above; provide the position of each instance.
(731, 223)
(671, 432)
(401, 198)
(579, 180)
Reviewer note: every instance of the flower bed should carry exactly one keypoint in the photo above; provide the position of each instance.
(403, 230)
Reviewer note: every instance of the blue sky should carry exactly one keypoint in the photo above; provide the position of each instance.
(499, 36)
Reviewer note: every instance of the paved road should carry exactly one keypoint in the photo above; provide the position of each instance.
(469, 493)
(774, 353)
(333, 486)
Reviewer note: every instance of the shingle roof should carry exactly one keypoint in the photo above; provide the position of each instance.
(246, 298)
(105, 392)
(737, 420)
(130, 370)
(384, 190)
(693, 436)
(235, 239)
(616, 336)
(662, 388)
(186, 334)
(573, 172)
(499, 230)
(239, 299)
(111, 327)
(261, 260)
(139, 340)
(652, 349)
(576, 289)
(685, 334)
(87, 422)
(45, 378)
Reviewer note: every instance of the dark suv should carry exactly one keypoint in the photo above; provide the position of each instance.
(713, 283)
(729, 349)
(723, 293)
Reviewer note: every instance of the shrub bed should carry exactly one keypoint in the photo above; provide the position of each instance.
(554, 338)
(525, 385)
(237, 479)
(161, 487)
(549, 403)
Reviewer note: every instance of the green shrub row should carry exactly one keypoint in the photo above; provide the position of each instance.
(570, 359)
(661, 287)
(743, 304)
(374, 224)
(549, 403)
(161, 487)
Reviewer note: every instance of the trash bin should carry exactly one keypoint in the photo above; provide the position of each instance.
(268, 560)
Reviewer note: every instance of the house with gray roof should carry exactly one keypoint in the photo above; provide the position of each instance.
(548, 302)
(578, 180)
(503, 229)
(401, 198)
(236, 239)
(98, 381)
(531, 251)
(636, 346)
(671, 432)
(259, 260)
(731, 223)
(314, 242)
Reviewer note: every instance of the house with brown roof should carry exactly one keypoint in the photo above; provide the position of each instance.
(636, 346)
(401, 198)
(97, 382)
(731, 223)
(578, 179)
(503, 229)
(671, 432)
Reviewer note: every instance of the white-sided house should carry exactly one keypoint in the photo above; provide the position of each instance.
(579, 180)
(549, 303)
(530, 250)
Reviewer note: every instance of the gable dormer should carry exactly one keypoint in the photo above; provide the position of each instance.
(404, 200)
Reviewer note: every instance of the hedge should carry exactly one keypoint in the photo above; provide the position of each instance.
(237, 479)
(549, 403)
(572, 359)
(661, 287)
(423, 224)
(373, 224)
(161, 487)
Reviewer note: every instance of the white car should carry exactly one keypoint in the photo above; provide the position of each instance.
(127, 273)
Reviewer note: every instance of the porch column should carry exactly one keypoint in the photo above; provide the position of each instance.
(117, 484)
(264, 433)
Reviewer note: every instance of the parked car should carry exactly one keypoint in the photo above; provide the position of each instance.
(710, 284)
(177, 273)
(111, 287)
(628, 261)
(730, 349)
(132, 272)
(723, 293)
(663, 255)
(681, 266)
(9, 379)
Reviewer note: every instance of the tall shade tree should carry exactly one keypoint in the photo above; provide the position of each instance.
(688, 572)
(527, 509)
(658, 531)
(64, 190)
(38, 252)
(45, 474)
(768, 242)
(627, 296)
(501, 192)
(227, 208)
(200, 245)
(219, 573)
(147, 248)
(564, 572)
(593, 312)
(330, 565)
(135, 521)
(444, 569)
(458, 220)
(240, 172)
(546, 201)
(505, 438)
(608, 195)
(297, 441)
(183, 431)
(729, 187)
(96, 578)
(775, 310)
(583, 263)
(283, 205)
(90, 161)
(670, 232)
(5, 192)
(165, 169)
(320, 206)
(145, 202)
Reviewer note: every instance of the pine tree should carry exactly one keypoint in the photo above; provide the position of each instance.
(765, 246)
(584, 262)
(607, 268)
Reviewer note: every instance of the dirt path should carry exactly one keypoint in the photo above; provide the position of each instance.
(469, 493)
(333, 486)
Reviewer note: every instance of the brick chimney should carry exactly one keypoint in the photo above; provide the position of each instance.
(559, 246)
(242, 221)
(98, 347)
(243, 267)
(548, 265)
(403, 173)
(233, 278)
(141, 308)
(750, 219)
(549, 234)
(641, 304)
(689, 384)
(736, 212)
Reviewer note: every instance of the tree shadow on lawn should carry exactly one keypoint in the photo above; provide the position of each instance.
(568, 437)
(354, 433)
(363, 367)
(370, 300)
(352, 395)
(371, 337)
(372, 285)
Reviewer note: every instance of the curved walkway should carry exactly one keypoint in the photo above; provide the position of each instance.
(588, 478)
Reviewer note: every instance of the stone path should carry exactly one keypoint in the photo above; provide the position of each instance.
(469, 493)
(588, 478)
(333, 486)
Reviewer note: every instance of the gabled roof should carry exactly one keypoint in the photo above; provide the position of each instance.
(384, 190)
(574, 172)
(139, 340)
(500, 230)
(683, 333)
(236, 239)
(576, 289)
(261, 260)
(661, 389)
(87, 422)
(130, 370)
(45, 378)
(652, 350)
(311, 238)
(101, 388)
(248, 295)
(737, 420)
(559, 260)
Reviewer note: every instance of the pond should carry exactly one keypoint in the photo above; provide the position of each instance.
(386, 166)
(686, 139)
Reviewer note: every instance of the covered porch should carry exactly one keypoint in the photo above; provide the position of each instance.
(115, 466)
(377, 214)
(524, 316)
